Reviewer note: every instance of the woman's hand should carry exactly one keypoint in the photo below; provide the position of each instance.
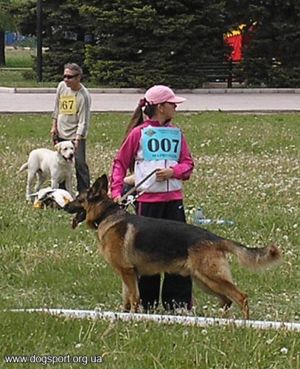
(164, 174)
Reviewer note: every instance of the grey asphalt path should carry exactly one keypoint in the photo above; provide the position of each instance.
(241, 100)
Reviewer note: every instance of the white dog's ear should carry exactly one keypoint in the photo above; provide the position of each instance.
(57, 146)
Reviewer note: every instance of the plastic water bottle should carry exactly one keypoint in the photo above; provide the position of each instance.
(199, 219)
(199, 216)
(207, 221)
(224, 222)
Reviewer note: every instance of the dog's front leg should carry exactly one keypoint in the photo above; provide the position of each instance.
(54, 183)
(131, 296)
(125, 297)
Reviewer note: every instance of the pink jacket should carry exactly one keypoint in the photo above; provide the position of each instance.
(127, 154)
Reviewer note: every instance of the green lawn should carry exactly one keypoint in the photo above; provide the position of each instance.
(19, 57)
(18, 71)
(247, 170)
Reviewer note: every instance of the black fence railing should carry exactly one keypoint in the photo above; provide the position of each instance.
(227, 72)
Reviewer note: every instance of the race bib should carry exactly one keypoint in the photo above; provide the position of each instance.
(67, 105)
(161, 143)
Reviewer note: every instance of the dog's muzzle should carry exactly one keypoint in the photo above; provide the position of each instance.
(69, 159)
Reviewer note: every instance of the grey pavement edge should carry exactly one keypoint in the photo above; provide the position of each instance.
(41, 100)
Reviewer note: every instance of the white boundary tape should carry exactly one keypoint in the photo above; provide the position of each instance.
(165, 319)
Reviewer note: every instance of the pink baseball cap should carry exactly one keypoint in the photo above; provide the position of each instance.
(159, 94)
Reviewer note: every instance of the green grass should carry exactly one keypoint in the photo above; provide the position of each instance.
(148, 346)
(19, 72)
(16, 78)
(247, 170)
(19, 57)
(20, 62)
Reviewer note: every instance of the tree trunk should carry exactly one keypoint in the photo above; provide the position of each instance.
(2, 47)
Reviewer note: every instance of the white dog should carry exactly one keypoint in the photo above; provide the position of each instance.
(44, 163)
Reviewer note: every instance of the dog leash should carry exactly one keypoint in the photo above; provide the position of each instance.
(133, 189)
(130, 201)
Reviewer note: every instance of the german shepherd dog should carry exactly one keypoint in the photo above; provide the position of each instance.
(135, 245)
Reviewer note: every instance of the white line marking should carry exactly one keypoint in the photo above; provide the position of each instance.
(165, 319)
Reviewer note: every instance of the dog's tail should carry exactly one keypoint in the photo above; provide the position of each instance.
(256, 258)
(23, 167)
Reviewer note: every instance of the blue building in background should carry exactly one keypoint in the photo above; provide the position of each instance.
(14, 39)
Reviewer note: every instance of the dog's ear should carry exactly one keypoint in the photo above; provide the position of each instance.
(104, 183)
(57, 146)
(99, 187)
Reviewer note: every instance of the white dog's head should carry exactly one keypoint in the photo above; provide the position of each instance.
(67, 150)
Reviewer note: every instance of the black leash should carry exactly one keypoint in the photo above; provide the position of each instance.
(133, 189)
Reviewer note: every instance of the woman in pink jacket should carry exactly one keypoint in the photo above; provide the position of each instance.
(156, 144)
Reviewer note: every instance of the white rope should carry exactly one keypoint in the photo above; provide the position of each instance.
(166, 319)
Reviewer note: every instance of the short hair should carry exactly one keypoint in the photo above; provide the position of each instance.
(74, 67)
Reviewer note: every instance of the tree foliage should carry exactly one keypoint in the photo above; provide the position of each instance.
(139, 43)
(5, 25)
(130, 43)
(7, 22)
(272, 58)
(63, 35)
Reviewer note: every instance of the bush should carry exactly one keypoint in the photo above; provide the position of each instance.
(29, 74)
